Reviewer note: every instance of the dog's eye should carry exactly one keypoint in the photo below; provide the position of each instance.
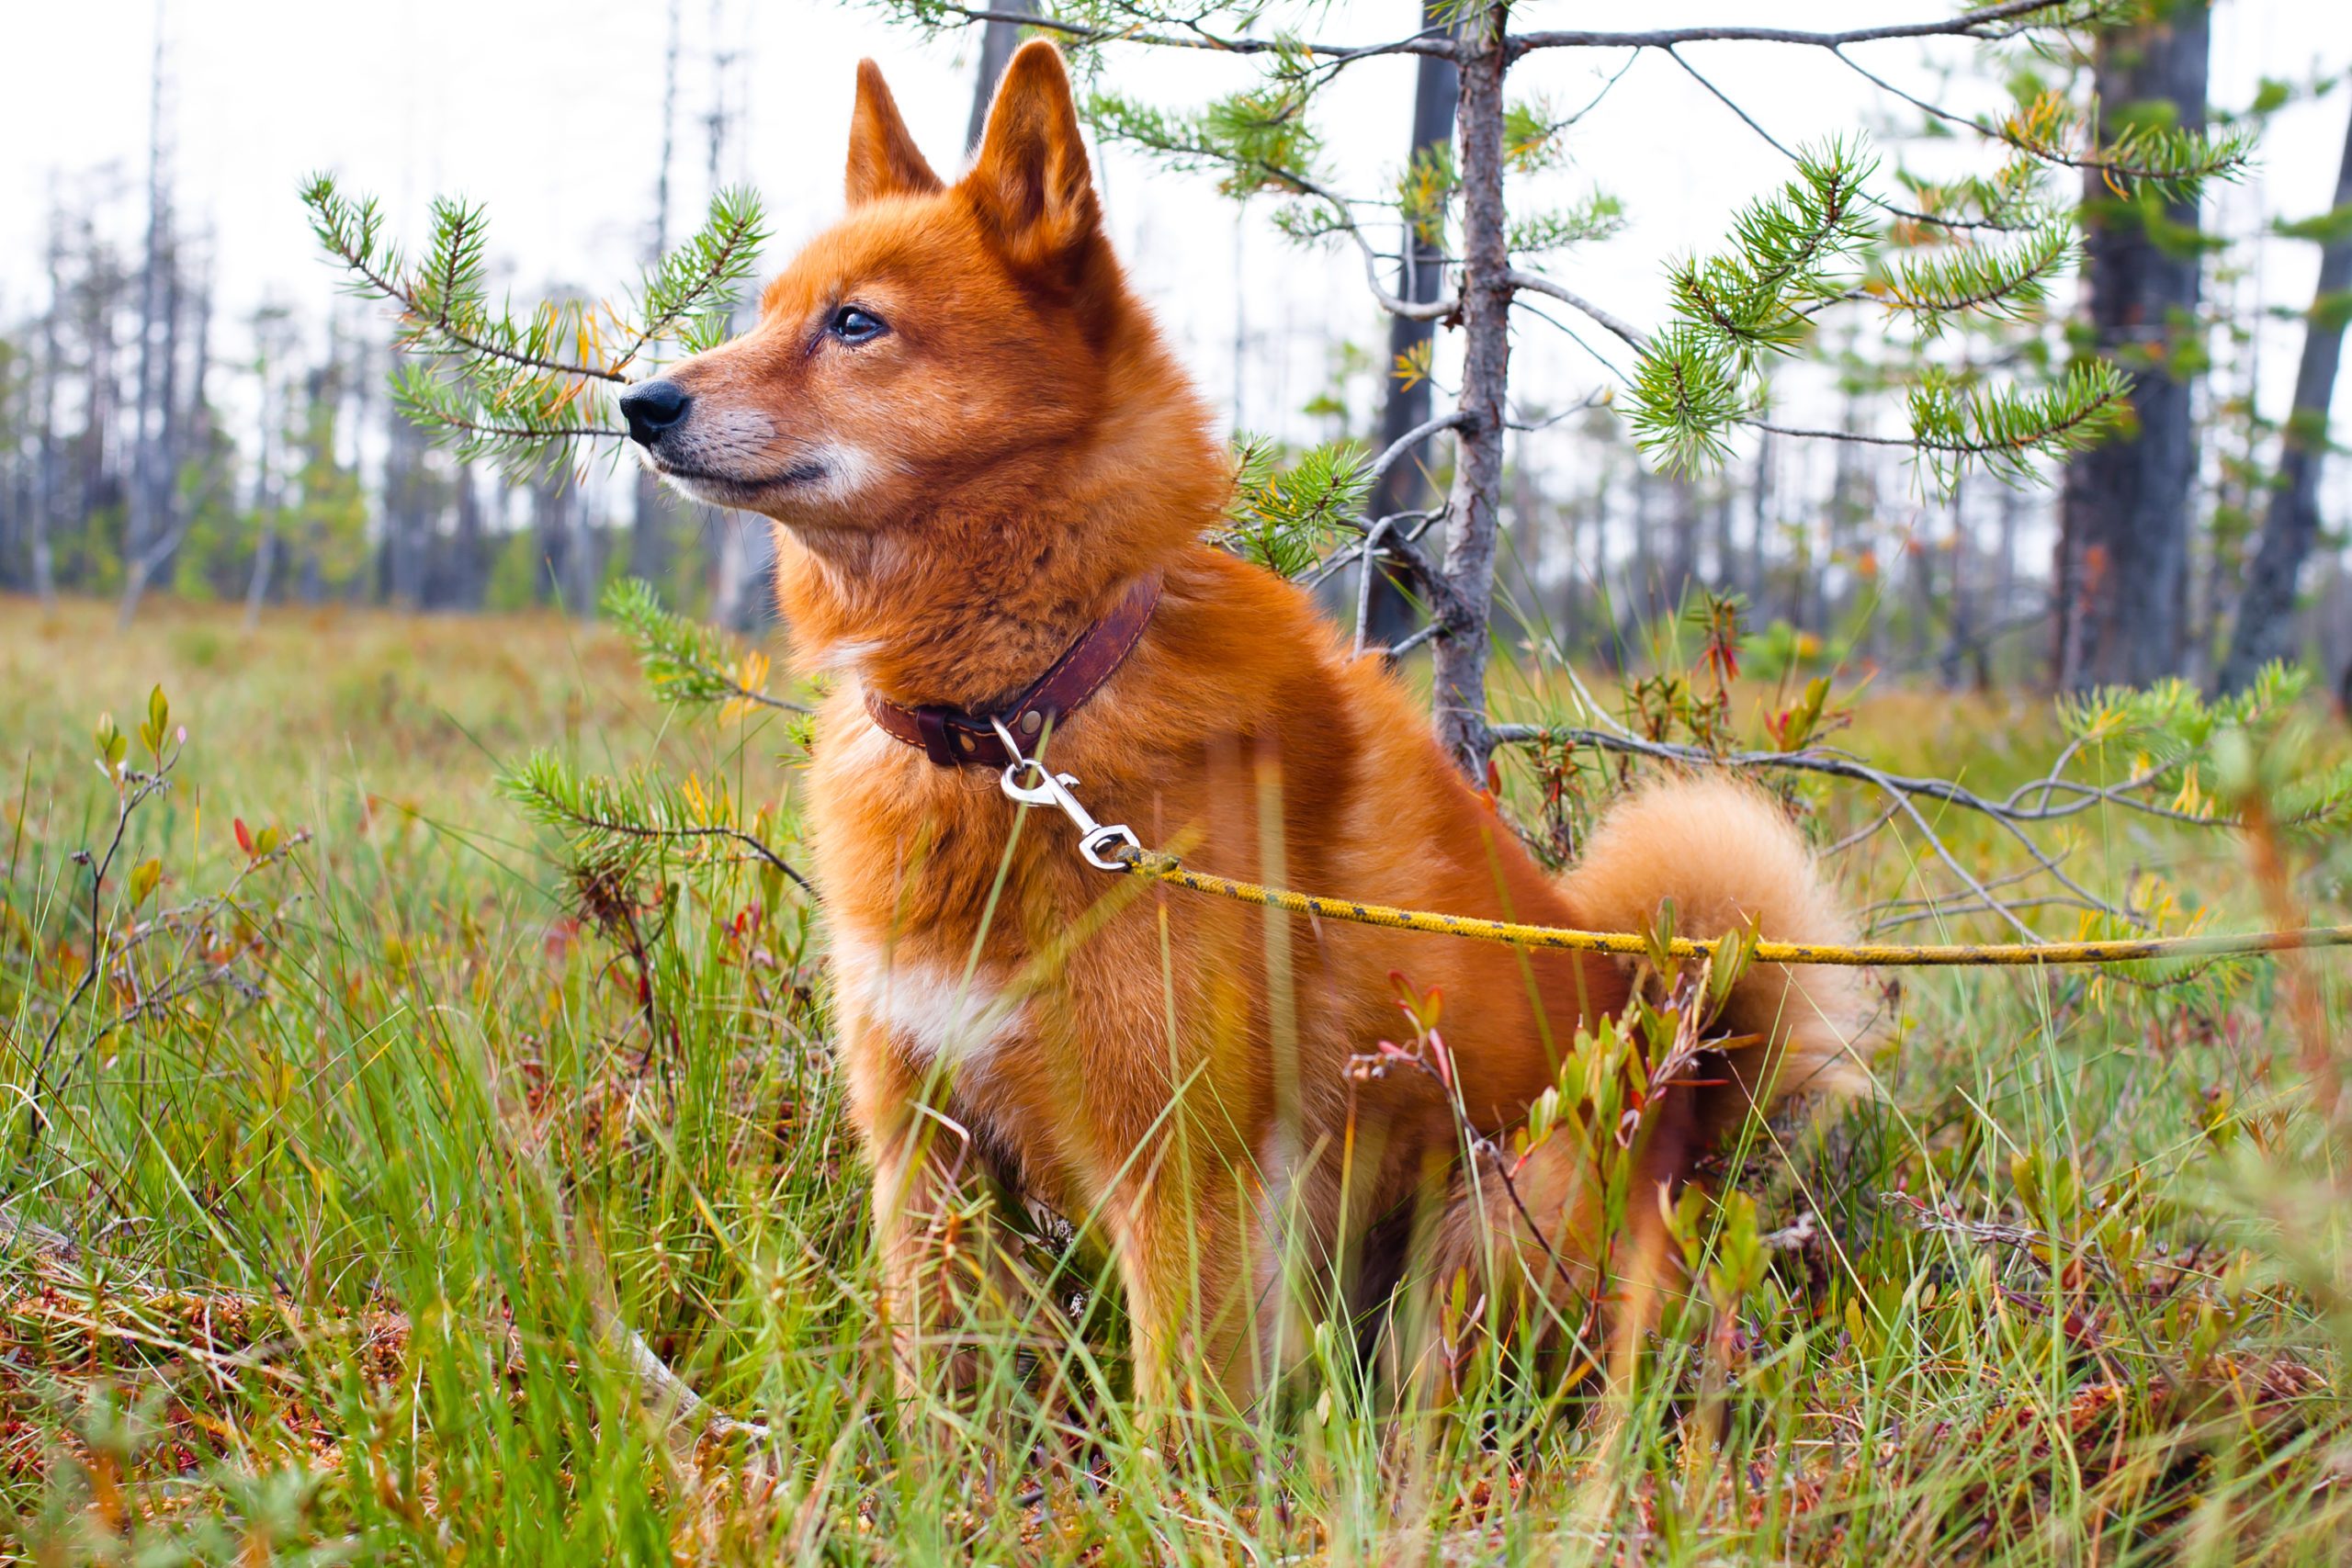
(852, 324)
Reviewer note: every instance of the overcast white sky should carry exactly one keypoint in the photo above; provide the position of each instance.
(550, 112)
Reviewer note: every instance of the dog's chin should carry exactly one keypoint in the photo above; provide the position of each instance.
(745, 492)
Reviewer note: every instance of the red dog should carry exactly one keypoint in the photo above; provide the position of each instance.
(992, 483)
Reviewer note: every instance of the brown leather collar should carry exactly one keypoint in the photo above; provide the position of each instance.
(954, 738)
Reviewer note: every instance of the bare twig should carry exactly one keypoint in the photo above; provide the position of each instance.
(1538, 284)
(1997, 21)
(1403, 444)
(1434, 40)
(139, 788)
(1901, 791)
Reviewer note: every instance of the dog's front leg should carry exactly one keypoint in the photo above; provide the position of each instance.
(1184, 1255)
(946, 1275)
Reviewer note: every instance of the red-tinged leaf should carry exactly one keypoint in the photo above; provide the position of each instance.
(244, 834)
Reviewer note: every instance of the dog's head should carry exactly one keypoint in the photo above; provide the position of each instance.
(934, 332)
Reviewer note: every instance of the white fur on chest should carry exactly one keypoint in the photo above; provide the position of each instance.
(934, 1013)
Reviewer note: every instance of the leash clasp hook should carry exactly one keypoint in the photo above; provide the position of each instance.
(1048, 788)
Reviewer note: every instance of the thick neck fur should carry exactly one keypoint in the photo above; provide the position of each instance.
(969, 597)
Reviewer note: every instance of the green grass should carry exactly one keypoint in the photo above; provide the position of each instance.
(341, 1234)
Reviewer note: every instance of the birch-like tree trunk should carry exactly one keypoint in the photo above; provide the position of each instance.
(2265, 626)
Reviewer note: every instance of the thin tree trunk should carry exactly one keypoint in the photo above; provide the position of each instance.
(265, 561)
(649, 550)
(469, 550)
(268, 455)
(1685, 570)
(140, 523)
(2004, 569)
(1961, 638)
(2265, 626)
(2124, 534)
(1459, 663)
(1641, 596)
(45, 510)
(998, 40)
(405, 521)
(1723, 573)
(1420, 278)
(1759, 521)
(162, 454)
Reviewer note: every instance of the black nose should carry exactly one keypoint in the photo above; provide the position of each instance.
(652, 409)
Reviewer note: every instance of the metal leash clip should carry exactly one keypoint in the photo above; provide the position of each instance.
(1054, 789)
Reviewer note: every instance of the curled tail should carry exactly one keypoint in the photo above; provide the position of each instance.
(1729, 858)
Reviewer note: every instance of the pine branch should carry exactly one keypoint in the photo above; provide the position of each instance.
(2172, 162)
(688, 664)
(603, 818)
(1598, 217)
(1284, 519)
(1952, 425)
(523, 392)
(440, 306)
(2005, 284)
(708, 267)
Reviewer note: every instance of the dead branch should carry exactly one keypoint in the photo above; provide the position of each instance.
(1989, 22)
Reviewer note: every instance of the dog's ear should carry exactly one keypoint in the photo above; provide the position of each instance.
(1031, 185)
(883, 157)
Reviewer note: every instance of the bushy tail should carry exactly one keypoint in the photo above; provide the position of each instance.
(1729, 858)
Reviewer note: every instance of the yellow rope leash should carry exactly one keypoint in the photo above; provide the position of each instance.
(1116, 848)
(1167, 868)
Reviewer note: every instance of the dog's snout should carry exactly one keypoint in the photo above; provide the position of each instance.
(652, 409)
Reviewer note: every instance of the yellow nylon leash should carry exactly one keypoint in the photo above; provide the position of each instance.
(1168, 868)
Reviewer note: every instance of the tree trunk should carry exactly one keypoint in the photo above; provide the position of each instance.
(2264, 624)
(649, 526)
(51, 484)
(407, 522)
(1723, 573)
(1960, 641)
(140, 523)
(265, 560)
(2124, 528)
(1684, 569)
(998, 40)
(1420, 278)
(1759, 527)
(469, 550)
(148, 538)
(1459, 663)
(2004, 567)
(1641, 595)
